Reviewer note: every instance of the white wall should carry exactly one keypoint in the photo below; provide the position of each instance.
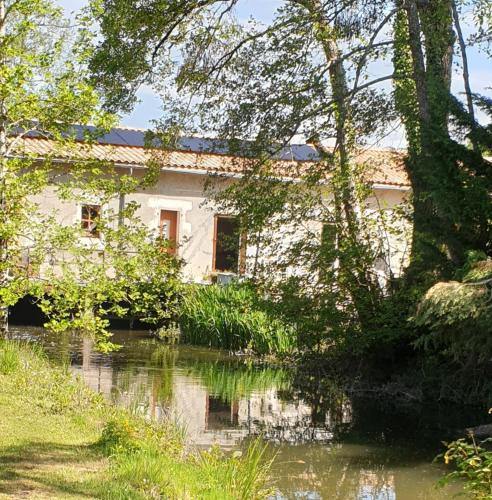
(184, 193)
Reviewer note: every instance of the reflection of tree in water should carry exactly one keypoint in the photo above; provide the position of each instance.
(267, 403)
(233, 381)
(146, 381)
(330, 406)
(333, 472)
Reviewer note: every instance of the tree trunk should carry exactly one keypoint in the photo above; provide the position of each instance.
(364, 291)
(466, 77)
(432, 168)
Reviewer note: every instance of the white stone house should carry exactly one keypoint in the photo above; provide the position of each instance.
(175, 204)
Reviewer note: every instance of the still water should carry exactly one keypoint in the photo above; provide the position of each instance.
(327, 445)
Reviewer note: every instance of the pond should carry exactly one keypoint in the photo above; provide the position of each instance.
(327, 446)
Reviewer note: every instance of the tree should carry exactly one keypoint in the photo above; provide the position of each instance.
(264, 84)
(44, 91)
(308, 72)
(451, 183)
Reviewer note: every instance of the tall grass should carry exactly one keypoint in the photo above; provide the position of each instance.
(232, 317)
(151, 462)
(9, 358)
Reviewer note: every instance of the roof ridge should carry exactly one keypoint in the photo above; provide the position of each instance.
(129, 127)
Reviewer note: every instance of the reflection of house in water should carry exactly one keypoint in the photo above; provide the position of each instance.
(374, 486)
(206, 418)
(98, 377)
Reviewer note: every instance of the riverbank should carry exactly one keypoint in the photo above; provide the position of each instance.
(59, 439)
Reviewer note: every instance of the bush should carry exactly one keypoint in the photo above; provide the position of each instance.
(473, 463)
(232, 317)
(119, 434)
(456, 316)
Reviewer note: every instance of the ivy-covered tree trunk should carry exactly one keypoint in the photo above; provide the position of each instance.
(439, 242)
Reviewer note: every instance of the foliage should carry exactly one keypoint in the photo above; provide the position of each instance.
(231, 317)
(256, 87)
(133, 276)
(450, 182)
(42, 91)
(473, 463)
(79, 279)
(457, 316)
(307, 72)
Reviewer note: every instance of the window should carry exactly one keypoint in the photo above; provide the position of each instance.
(229, 245)
(89, 217)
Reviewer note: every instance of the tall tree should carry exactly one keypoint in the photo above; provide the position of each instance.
(451, 184)
(264, 84)
(308, 71)
(39, 97)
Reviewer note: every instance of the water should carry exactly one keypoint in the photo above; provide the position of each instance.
(327, 445)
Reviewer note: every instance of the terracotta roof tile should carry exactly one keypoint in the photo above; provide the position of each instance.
(384, 167)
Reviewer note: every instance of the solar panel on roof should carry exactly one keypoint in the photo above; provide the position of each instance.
(133, 137)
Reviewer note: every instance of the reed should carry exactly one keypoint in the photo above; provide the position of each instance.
(232, 317)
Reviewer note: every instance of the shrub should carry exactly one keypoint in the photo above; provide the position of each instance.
(119, 434)
(456, 316)
(232, 317)
(473, 463)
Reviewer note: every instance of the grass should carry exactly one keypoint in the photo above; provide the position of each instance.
(58, 439)
(232, 317)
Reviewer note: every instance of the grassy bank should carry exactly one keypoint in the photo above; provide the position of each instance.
(58, 439)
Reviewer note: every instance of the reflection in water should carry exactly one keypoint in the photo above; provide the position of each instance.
(320, 436)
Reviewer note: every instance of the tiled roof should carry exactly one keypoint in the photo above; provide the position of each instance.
(384, 167)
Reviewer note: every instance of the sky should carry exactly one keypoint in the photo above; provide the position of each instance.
(149, 106)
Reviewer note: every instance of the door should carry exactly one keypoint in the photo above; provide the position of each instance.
(169, 228)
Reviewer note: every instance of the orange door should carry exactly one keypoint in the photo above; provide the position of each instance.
(169, 228)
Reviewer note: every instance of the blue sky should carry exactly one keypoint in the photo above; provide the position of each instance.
(149, 107)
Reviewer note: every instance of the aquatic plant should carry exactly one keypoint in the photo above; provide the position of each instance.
(232, 317)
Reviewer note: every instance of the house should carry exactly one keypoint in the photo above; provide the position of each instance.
(175, 205)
